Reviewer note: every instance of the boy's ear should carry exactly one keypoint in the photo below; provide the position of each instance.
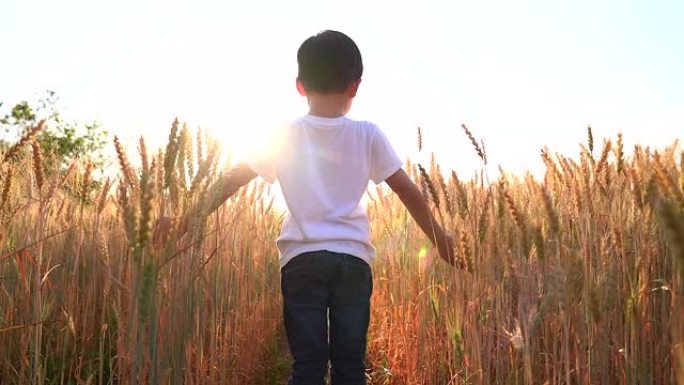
(352, 88)
(300, 87)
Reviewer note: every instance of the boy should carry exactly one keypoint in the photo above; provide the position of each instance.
(323, 162)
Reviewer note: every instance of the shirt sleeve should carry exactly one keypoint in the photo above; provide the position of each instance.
(384, 160)
(264, 165)
(263, 160)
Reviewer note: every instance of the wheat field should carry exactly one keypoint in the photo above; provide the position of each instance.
(573, 278)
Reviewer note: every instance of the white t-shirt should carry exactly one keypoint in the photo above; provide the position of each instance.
(323, 166)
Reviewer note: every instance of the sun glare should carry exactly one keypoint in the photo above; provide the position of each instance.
(237, 142)
(243, 121)
(245, 138)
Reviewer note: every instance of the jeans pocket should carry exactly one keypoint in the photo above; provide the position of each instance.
(355, 283)
(302, 284)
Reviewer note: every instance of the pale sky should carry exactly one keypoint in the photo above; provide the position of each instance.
(520, 74)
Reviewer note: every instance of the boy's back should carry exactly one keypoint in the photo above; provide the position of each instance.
(323, 166)
(323, 162)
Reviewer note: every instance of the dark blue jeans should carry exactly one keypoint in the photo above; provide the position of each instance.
(326, 307)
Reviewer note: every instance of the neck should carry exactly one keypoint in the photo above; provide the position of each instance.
(329, 105)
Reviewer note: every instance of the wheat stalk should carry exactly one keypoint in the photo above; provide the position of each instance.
(181, 158)
(7, 185)
(146, 196)
(37, 165)
(420, 140)
(104, 194)
(199, 146)
(170, 154)
(681, 171)
(550, 164)
(67, 173)
(26, 138)
(538, 239)
(462, 195)
(636, 186)
(478, 149)
(466, 259)
(158, 167)
(125, 166)
(619, 154)
(666, 183)
(568, 172)
(190, 156)
(60, 180)
(202, 172)
(483, 221)
(448, 204)
(430, 186)
(604, 156)
(607, 181)
(128, 214)
(673, 222)
(86, 182)
(590, 142)
(552, 215)
(514, 211)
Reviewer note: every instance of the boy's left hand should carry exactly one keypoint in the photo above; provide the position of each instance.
(446, 247)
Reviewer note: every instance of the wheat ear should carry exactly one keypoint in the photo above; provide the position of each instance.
(604, 156)
(146, 195)
(126, 168)
(37, 165)
(666, 182)
(478, 149)
(26, 138)
(420, 140)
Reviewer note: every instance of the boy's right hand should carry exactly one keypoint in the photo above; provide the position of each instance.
(164, 226)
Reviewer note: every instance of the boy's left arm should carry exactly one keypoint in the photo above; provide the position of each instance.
(413, 200)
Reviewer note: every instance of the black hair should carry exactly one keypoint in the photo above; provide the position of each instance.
(328, 62)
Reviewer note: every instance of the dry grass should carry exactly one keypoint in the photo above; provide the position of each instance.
(593, 298)
(85, 297)
(577, 278)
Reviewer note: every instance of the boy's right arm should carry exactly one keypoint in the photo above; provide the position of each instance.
(218, 193)
(416, 205)
(228, 185)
